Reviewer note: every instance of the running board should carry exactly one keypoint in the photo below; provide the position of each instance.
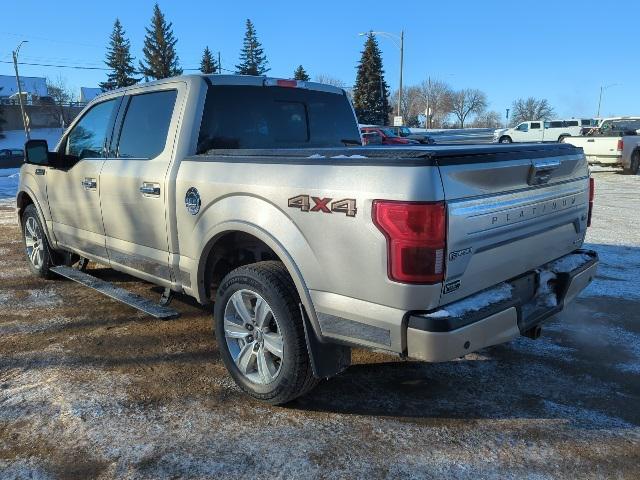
(117, 293)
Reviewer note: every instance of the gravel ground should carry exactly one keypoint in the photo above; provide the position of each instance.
(92, 389)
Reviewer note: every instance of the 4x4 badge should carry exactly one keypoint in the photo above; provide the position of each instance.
(192, 201)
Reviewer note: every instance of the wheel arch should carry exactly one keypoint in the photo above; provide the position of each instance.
(25, 197)
(216, 249)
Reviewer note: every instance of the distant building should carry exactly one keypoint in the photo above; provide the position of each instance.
(87, 94)
(31, 86)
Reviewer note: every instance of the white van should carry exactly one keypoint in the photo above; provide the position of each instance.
(542, 131)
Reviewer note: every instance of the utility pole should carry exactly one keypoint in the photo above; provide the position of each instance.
(401, 66)
(599, 102)
(428, 110)
(506, 124)
(15, 65)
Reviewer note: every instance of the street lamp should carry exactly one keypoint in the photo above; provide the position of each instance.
(15, 65)
(398, 40)
(602, 89)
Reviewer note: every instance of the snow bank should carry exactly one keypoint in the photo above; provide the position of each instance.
(9, 180)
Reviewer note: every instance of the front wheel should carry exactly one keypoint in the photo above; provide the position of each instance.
(505, 139)
(561, 138)
(260, 334)
(36, 245)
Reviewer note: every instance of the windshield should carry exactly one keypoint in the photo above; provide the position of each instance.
(388, 132)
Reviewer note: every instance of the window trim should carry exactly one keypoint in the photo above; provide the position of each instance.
(114, 145)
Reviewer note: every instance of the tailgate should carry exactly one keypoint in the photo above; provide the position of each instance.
(596, 146)
(510, 209)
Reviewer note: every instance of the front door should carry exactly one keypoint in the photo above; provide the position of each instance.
(73, 191)
(134, 187)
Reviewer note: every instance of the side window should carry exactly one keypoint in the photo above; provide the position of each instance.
(535, 125)
(86, 139)
(523, 127)
(146, 124)
(571, 123)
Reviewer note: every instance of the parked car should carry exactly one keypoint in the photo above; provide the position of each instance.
(239, 192)
(615, 142)
(541, 131)
(11, 158)
(405, 132)
(388, 136)
(371, 138)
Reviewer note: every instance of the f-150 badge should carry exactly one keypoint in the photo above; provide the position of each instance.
(325, 205)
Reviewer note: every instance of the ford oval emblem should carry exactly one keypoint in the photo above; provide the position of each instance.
(192, 201)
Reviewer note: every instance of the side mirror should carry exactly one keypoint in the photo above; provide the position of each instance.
(36, 152)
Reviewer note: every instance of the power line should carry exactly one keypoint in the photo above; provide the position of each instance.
(77, 67)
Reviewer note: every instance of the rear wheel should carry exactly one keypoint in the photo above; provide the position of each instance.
(260, 334)
(505, 139)
(635, 164)
(36, 245)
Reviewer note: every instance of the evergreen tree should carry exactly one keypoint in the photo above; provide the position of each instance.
(2, 120)
(371, 92)
(161, 59)
(120, 61)
(253, 61)
(208, 64)
(301, 74)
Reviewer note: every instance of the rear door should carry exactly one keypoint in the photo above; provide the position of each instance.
(510, 210)
(134, 184)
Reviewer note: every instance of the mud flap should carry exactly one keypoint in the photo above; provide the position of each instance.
(327, 359)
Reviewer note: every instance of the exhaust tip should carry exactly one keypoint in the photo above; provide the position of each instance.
(534, 332)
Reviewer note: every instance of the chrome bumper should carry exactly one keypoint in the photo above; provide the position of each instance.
(441, 339)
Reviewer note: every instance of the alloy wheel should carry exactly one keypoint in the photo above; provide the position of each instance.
(253, 336)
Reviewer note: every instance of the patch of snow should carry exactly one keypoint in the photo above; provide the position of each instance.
(569, 263)
(545, 296)
(349, 156)
(316, 155)
(475, 302)
(9, 181)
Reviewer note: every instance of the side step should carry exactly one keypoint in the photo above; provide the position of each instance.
(117, 293)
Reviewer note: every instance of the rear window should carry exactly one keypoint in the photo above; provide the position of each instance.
(275, 117)
(535, 125)
(571, 123)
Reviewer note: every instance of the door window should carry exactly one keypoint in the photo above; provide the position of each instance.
(535, 125)
(87, 138)
(523, 127)
(146, 124)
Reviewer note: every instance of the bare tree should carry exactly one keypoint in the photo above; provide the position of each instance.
(468, 101)
(329, 80)
(531, 109)
(438, 97)
(61, 95)
(412, 105)
(487, 120)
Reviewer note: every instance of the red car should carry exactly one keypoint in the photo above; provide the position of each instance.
(388, 136)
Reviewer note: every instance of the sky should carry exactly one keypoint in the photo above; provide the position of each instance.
(563, 51)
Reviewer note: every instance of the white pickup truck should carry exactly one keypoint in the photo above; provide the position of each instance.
(541, 131)
(615, 142)
(255, 195)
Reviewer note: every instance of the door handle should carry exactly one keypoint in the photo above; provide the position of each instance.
(90, 183)
(150, 189)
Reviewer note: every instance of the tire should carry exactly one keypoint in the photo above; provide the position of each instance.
(505, 139)
(635, 164)
(249, 342)
(561, 138)
(36, 245)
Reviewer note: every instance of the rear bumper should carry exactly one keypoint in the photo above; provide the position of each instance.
(604, 159)
(535, 296)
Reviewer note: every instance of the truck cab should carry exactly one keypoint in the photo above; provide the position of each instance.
(541, 131)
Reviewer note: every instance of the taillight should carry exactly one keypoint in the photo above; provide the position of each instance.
(620, 145)
(592, 193)
(416, 238)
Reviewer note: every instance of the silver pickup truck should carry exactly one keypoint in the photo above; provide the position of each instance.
(255, 196)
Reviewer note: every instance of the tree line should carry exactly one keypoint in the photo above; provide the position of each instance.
(371, 96)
